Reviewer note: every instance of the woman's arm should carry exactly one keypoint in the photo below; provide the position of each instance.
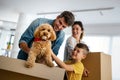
(62, 64)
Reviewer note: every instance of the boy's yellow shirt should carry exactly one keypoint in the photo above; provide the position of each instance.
(78, 71)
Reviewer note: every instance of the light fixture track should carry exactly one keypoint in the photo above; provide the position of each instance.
(82, 10)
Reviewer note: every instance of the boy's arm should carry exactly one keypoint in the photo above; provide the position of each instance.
(62, 64)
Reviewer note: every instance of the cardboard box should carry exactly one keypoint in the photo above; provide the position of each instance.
(14, 69)
(99, 66)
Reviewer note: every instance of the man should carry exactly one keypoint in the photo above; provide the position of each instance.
(62, 21)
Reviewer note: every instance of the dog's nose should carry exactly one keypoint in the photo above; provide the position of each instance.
(45, 33)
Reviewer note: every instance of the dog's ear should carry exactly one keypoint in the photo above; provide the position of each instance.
(36, 32)
(53, 35)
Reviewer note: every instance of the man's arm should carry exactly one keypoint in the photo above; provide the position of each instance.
(58, 42)
(24, 47)
(27, 37)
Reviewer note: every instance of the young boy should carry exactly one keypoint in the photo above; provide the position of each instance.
(74, 67)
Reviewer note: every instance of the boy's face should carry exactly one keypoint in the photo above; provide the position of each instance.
(78, 53)
(59, 24)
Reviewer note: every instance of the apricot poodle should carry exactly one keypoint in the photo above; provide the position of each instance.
(40, 51)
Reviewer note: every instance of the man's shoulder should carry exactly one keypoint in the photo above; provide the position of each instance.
(61, 33)
(44, 19)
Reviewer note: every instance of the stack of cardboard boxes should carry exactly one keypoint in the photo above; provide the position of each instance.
(98, 64)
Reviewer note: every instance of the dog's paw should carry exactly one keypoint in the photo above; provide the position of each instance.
(50, 64)
(29, 65)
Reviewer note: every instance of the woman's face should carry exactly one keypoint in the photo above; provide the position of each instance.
(76, 31)
(59, 24)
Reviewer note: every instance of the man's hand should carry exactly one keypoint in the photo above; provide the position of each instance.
(24, 47)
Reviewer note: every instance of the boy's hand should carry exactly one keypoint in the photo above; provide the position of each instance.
(85, 72)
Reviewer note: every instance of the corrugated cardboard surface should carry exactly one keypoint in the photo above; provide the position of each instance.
(9, 75)
(14, 69)
(99, 65)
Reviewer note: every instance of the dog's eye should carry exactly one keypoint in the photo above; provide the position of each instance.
(43, 29)
(48, 30)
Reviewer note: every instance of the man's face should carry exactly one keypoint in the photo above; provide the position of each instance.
(59, 24)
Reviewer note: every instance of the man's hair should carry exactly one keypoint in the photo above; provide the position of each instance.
(68, 16)
(83, 46)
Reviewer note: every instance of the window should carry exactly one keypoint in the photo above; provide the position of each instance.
(106, 44)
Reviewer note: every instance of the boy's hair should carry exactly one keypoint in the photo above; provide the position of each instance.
(68, 16)
(83, 46)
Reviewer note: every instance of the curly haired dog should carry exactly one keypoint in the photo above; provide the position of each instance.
(40, 51)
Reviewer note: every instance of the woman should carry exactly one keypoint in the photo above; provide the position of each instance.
(77, 35)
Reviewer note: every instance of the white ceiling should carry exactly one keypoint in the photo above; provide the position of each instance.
(85, 10)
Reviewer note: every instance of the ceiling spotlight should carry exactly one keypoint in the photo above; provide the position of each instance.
(101, 13)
